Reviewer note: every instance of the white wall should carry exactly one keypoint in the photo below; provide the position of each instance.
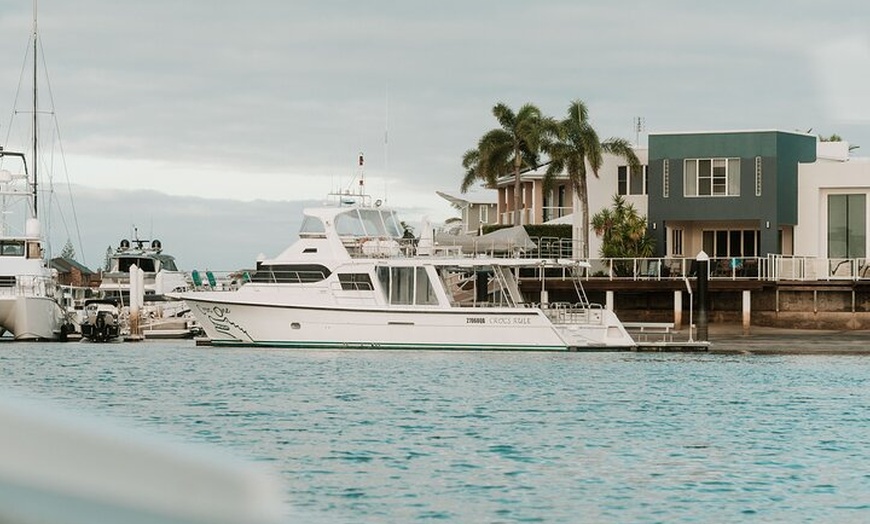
(601, 191)
(815, 182)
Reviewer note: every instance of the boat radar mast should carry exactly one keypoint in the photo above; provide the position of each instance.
(359, 197)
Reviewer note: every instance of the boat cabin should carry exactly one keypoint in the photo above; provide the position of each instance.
(20, 248)
(148, 259)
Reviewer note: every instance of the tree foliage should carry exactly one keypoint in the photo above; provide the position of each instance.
(68, 251)
(622, 231)
(511, 148)
(578, 148)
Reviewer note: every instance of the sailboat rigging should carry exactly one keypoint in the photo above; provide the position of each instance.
(30, 307)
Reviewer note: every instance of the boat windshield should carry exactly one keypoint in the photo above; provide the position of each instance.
(312, 226)
(394, 227)
(367, 223)
(12, 248)
(145, 264)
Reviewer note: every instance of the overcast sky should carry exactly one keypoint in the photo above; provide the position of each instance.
(275, 99)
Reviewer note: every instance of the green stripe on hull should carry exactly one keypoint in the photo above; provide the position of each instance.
(392, 346)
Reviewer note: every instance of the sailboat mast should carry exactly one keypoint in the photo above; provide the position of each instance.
(35, 157)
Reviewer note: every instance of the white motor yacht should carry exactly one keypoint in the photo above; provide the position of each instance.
(159, 316)
(352, 281)
(29, 306)
(29, 298)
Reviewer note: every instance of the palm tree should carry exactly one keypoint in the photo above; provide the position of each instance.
(623, 231)
(513, 147)
(578, 147)
(623, 235)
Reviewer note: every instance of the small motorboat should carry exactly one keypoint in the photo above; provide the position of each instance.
(100, 323)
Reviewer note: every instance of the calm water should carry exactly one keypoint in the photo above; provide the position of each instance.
(497, 437)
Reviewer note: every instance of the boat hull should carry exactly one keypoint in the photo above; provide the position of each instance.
(280, 325)
(32, 318)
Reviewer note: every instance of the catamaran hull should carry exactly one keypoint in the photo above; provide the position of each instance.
(31, 318)
(241, 324)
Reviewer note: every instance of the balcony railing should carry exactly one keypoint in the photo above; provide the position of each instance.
(770, 268)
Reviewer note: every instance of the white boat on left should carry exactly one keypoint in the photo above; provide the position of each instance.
(30, 298)
(29, 295)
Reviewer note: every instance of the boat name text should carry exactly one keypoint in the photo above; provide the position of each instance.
(499, 321)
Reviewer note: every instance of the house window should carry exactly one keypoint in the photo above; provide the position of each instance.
(666, 178)
(631, 182)
(758, 176)
(847, 226)
(677, 242)
(484, 214)
(732, 243)
(712, 177)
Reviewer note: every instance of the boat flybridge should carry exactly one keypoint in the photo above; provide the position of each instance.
(353, 281)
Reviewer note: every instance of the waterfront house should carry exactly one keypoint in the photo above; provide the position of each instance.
(477, 208)
(730, 194)
(833, 200)
(73, 273)
(783, 215)
(558, 203)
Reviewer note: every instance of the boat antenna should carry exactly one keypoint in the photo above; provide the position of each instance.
(386, 137)
(35, 115)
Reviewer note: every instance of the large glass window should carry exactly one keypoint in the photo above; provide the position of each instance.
(349, 224)
(677, 242)
(712, 177)
(407, 285)
(732, 243)
(631, 182)
(847, 226)
(425, 293)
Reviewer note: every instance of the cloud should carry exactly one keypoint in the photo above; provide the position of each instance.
(843, 75)
(300, 88)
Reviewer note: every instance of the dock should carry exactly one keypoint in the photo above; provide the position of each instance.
(663, 337)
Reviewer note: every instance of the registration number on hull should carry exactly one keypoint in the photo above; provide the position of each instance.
(499, 321)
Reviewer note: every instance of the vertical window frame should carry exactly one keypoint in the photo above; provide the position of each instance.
(758, 179)
(666, 178)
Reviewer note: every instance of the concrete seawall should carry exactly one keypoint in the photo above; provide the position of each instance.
(823, 305)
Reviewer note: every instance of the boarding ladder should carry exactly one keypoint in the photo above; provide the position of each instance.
(507, 282)
(576, 275)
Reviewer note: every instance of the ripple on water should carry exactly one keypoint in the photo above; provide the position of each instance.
(498, 437)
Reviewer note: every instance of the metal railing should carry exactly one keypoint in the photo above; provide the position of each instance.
(770, 268)
(568, 313)
(28, 285)
(773, 268)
